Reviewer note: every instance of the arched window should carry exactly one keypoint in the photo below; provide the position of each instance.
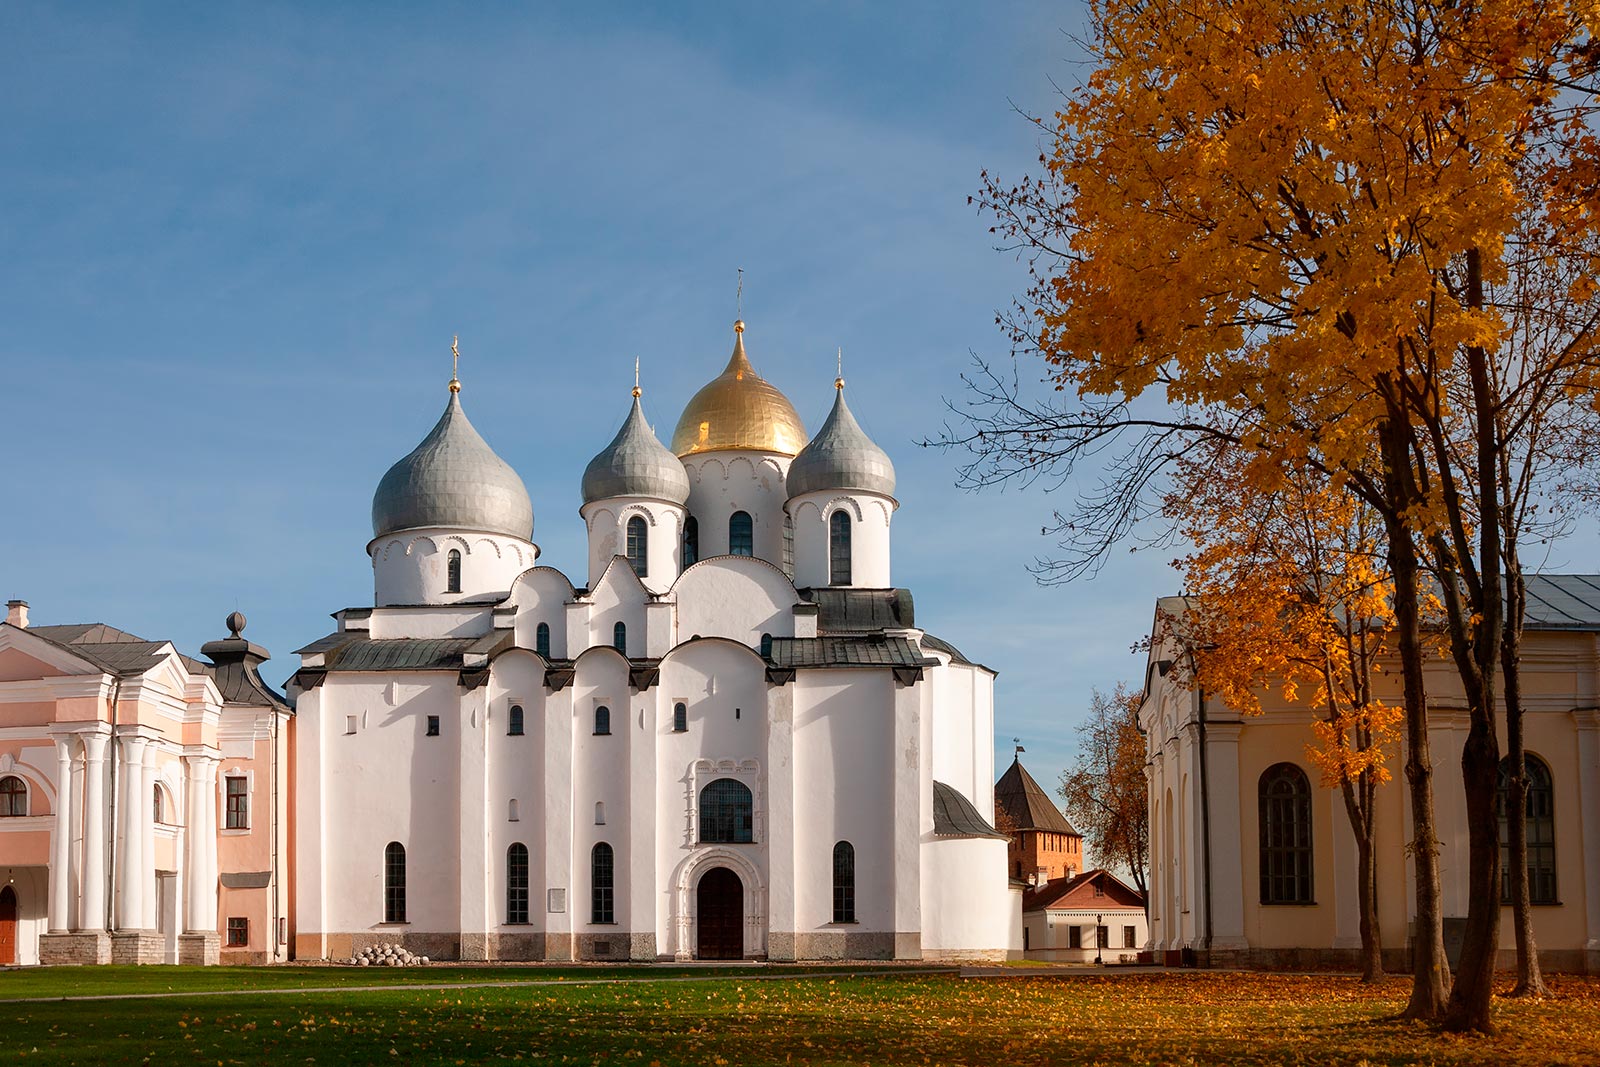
(727, 812)
(394, 882)
(517, 883)
(602, 720)
(680, 717)
(619, 637)
(541, 639)
(1285, 835)
(844, 882)
(599, 813)
(741, 534)
(839, 548)
(514, 721)
(513, 813)
(602, 875)
(638, 546)
(453, 572)
(766, 646)
(13, 796)
(1540, 818)
(691, 542)
(158, 810)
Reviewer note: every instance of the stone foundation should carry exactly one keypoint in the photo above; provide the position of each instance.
(620, 946)
(59, 949)
(1395, 960)
(138, 946)
(203, 949)
(840, 945)
(519, 947)
(558, 947)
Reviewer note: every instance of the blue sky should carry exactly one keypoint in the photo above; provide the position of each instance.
(238, 238)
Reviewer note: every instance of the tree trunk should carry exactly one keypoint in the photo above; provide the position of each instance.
(1483, 632)
(1358, 807)
(1430, 971)
(1530, 981)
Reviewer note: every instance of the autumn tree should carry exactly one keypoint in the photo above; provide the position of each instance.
(1281, 222)
(1287, 590)
(1105, 790)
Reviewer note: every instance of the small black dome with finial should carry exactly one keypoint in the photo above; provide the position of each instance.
(235, 623)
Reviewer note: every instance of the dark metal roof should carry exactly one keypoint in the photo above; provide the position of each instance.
(86, 633)
(1025, 804)
(827, 651)
(354, 651)
(860, 610)
(1563, 602)
(940, 645)
(955, 816)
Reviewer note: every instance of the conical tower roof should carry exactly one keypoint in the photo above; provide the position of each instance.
(1025, 803)
(739, 409)
(453, 479)
(841, 456)
(635, 463)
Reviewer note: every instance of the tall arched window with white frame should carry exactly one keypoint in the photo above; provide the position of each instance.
(453, 572)
(839, 548)
(638, 547)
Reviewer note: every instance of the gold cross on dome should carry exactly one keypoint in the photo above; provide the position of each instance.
(455, 363)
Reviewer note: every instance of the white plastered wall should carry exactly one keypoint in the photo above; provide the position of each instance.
(739, 599)
(721, 483)
(607, 522)
(870, 516)
(410, 567)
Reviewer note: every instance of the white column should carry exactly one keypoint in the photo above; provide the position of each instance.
(130, 868)
(94, 832)
(1227, 858)
(558, 821)
(473, 862)
(201, 839)
(1588, 720)
(148, 872)
(781, 820)
(61, 843)
(907, 814)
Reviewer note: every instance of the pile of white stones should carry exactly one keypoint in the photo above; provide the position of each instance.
(390, 955)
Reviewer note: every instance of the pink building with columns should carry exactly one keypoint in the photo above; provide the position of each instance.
(142, 807)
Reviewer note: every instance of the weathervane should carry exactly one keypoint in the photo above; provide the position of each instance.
(455, 363)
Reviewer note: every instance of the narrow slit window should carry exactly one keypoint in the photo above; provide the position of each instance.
(691, 542)
(680, 717)
(517, 883)
(602, 720)
(541, 639)
(766, 646)
(453, 572)
(844, 882)
(619, 637)
(741, 534)
(394, 883)
(599, 813)
(839, 548)
(638, 547)
(514, 721)
(602, 874)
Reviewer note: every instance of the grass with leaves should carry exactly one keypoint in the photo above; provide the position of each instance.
(1179, 1018)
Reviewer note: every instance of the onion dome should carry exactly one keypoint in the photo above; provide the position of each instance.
(453, 479)
(635, 463)
(739, 409)
(841, 456)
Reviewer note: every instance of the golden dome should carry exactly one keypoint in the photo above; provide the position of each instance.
(739, 409)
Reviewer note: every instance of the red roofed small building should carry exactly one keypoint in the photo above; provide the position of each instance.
(1090, 916)
(1044, 845)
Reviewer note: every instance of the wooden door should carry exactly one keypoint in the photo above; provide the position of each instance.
(720, 906)
(8, 926)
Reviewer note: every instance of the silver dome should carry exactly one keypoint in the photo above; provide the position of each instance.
(841, 456)
(453, 479)
(635, 463)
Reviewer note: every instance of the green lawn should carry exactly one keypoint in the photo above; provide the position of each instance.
(741, 1020)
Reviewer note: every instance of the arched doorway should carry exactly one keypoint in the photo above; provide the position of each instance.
(719, 906)
(8, 926)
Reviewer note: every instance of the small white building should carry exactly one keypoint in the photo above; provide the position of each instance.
(1093, 917)
(727, 739)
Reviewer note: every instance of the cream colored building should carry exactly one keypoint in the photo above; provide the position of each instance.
(1252, 859)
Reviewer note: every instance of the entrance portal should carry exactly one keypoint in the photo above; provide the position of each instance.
(8, 926)
(719, 903)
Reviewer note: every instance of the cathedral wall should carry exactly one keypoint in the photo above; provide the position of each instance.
(465, 621)
(540, 595)
(411, 567)
(516, 795)
(607, 523)
(389, 782)
(844, 775)
(739, 599)
(963, 732)
(619, 597)
(600, 766)
(869, 538)
(966, 899)
(721, 483)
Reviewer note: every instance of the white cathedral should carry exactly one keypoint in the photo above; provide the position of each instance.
(730, 741)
